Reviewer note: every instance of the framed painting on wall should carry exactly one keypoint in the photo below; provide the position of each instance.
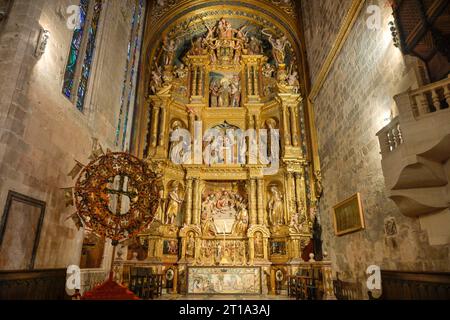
(20, 229)
(348, 216)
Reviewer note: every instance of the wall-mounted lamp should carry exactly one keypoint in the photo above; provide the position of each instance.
(394, 33)
(2, 15)
(44, 35)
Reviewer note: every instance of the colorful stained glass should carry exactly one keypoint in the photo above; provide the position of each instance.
(74, 53)
(89, 55)
(130, 72)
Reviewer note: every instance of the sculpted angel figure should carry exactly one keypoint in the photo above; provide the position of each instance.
(170, 47)
(238, 47)
(268, 70)
(181, 71)
(254, 46)
(210, 34)
(293, 81)
(156, 82)
(197, 46)
(241, 35)
(225, 30)
(297, 221)
(278, 47)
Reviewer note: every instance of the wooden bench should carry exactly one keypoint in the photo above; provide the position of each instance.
(145, 284)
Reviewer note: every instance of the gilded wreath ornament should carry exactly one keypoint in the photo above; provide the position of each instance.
(123, 175)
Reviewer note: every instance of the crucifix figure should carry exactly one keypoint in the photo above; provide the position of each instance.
(120, 192)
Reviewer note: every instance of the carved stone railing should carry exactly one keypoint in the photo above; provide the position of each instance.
(391, 137)
(431, 98)
(90, 278)
(33, 285)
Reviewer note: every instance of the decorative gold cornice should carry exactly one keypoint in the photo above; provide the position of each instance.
(346, 27)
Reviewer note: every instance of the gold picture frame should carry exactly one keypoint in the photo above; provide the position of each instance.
(348, 216)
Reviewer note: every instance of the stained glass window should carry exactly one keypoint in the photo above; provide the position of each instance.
(129, 84)
(75, 48)
(81, 54)
(89, 55)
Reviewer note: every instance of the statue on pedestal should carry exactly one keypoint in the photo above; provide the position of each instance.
(259, 245)
(174, 204)
(190, 246)
(276, 212)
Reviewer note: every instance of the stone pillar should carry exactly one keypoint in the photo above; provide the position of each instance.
(253, 203)
(261, 218)
(196, 205)
(188, 214)
(155, 121)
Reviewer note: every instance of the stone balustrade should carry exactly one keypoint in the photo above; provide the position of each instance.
(391, 137)
(416, 157)
(431, 98)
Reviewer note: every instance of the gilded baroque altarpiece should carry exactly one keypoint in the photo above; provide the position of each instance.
(227, 68)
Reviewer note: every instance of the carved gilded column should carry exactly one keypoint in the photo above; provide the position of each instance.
(255, 80)
(194, 82)
(188, 215)
(201, 83)
(294, 127)
(196, 205)
(253, 203)
(287, 134)
(155, 121)
(191, 123)
(249, 81)
(162, 128)
(300, 189)
(250, 122)
(292, 195)
(298, 126)
(261, 219)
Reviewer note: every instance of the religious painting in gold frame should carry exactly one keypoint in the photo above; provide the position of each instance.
(348, 216)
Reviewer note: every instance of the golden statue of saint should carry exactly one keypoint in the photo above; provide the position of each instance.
(190, 246)
(276, 212)
(174, 205)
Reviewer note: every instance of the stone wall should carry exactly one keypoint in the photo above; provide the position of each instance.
(321, 22)
(42, 132)
(353, 105)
